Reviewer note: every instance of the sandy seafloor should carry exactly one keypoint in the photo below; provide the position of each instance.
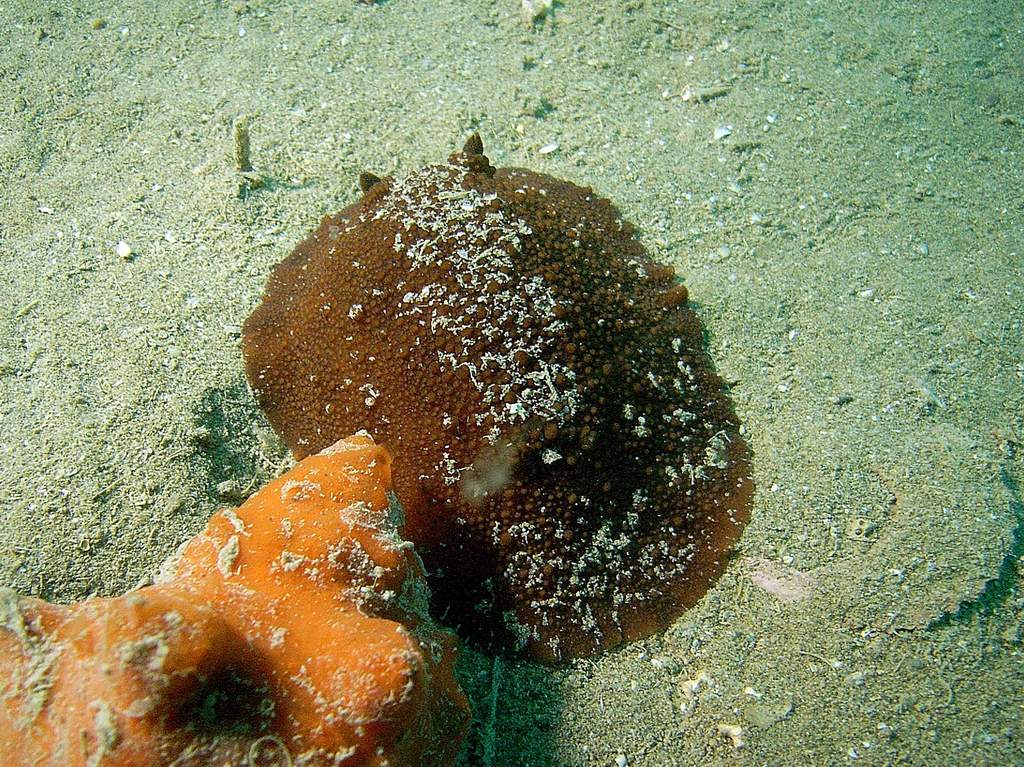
(854, 246)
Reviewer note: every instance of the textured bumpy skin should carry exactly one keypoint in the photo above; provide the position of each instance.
(291, 631)
(572, 471)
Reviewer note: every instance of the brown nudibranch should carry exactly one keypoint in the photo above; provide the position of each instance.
(572, 469)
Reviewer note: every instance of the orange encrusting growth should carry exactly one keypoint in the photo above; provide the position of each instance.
(292, 630)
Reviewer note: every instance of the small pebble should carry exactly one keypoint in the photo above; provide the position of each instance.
(860, 529)
(856, 678)
(230, 490)
(202, 436)
(734, 733)
(665, 663)
(765, 715)
(536, 10)
(124, 250)
(722, 131)
(621, 761)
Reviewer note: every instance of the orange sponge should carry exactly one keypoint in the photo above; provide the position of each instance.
(291, 631)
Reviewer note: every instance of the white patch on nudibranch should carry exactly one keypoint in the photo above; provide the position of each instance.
(513, 316)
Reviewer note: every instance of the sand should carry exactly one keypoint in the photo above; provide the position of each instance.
(841, 185)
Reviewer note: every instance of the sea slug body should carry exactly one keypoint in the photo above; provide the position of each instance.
(572, 470)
